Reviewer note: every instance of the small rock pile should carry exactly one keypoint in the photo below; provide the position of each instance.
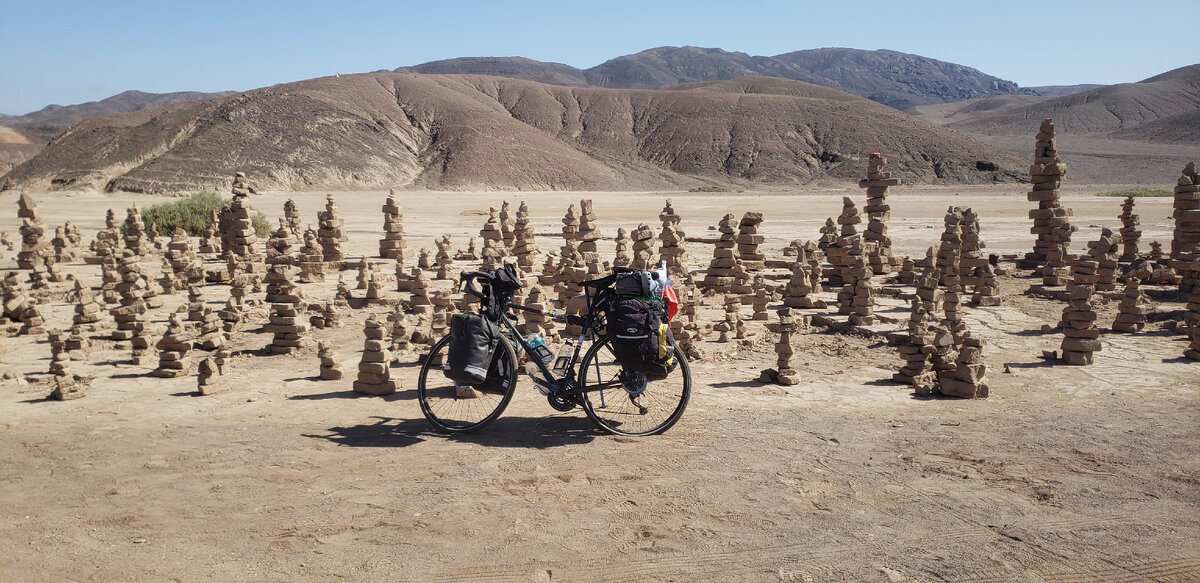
(523, 245)
(1051, 221)
(805, 280)
(108, 241)
(286, 324)
(493, 237)
(761, 297)
(1081, 336)
(331, 231)
(135, 239)
(206, 373)
(18, 308)
(672, 251)
(443, 260)
(184, 266)
(330, 369)
(570, 223)
(66, 246)
(1130, 234)
(975, 270)
(374, 370)
(533, 323)
(927, 345)
(643, 247)
(292, 221)
(878, 212)
(67, 386)
(311, 258)
(393, 245)
(33, 234)
(1106, 252)
(783, 373)
(130, 314)
(733, 320)
(210, 237)
(89, 313)
(725, 267)
(967, 379)
(174, 349)
(1133, 308)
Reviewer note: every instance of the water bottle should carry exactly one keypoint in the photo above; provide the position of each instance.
(541, 352)
(563, 360)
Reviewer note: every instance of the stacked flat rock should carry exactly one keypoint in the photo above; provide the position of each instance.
(1192, 317)
(493, 254)
(1187, 212)
(783, 373)
(206, 323)
(363, 273)
(1130, 233)
(836, 251)
(733, 320)
(39, 278)
(18, 308)
(748, 241)
(549, 267)
(33, 234)
(1106, 252)
(152, 242)
(311, 258)
(919, 347)
(492, 236)
(588, 234)
(470, 254)
(975, 270)
(331, 231)
(130, 313)
(286, 325)
(210, 238)
(684, 327)
(174, 349)
(856, 298)
(237, 230)
(523, 245)
(443, 260)
(805, 280)
(908, 272)
(570, 223)
(206, 376)
(1081, 336)
(184, 267)
(725, 267)
(1051, 221)
(135, 238)
(375, 284)
(878, 212)
(507, 225)
(235, 307)
(324, 315)
(967, 380)
(418, 302)
(571, 270)
(829, 234)
(330, 369)
(643, 247)
(759, 300)
(64, 250)
(108, 241)
(401, 337)
(89, 312)
(535, 323)
(67, 386)
(292, 221)
(393, 245)
(374, 370)
(1133, 309)
(672, 251)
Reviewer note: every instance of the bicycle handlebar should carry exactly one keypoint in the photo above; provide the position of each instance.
(467, 279)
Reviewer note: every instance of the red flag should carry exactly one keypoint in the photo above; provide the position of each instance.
(672, 300)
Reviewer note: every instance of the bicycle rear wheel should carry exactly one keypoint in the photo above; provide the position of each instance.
(626, 403)
(459, 408)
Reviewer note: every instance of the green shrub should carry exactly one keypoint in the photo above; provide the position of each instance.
(192, 213)
(711, 189)
(1135, 192)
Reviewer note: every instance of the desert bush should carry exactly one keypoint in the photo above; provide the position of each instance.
(711, 189)
(191, 214)
(1135, 192)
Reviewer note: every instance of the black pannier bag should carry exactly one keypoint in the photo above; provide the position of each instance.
(473, 342)
(636, 325)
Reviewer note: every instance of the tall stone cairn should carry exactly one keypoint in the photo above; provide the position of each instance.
(135, 238)
(643, 247)
(621, 257)
(1106, 252)
(537, 323)
(967, 379)
(240, 243)
(443, 260)
(1081, 336)
(292, 221)
(185, 267)
(493, 238)
(856, 298)
(878, 212)
(374, 370)
(419, 303)
(1130, 233)
(975, 270)
(1051, 221)
(829, 235)
(570, 223)
(836, 251)
(152, 242)
(672, 251)
(287, 326)
(208, 325)
(1133, 309)
(64, 251)
(783, 373)
(393, 245)
(949, 264)
(174, 349)
(330, 369)
(33, 234)
(1187, 213)
(588, 234)
(507, 225)
(760, 298)
(130, 314)
(311, 258)
(523, 244)
(725, 267)
(331, 231)
(748, 242)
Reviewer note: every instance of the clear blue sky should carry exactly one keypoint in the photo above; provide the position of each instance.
(66, 52)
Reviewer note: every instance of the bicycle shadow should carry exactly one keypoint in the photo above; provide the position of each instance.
(522, 432)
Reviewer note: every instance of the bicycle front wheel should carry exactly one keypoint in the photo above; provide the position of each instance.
(627, 403)
(457, 408)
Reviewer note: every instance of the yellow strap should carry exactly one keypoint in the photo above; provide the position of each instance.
(664, 350)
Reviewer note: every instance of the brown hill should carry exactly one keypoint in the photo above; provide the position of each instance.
(472, 132)
(43, 125)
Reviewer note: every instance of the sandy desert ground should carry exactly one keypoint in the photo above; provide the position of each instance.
(1062, 474)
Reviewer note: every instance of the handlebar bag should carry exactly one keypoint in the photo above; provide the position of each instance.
(640, 338)
(473, 342)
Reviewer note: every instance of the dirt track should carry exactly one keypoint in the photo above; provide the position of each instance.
(1063, 474)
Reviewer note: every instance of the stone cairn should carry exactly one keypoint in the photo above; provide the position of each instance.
(324, 315)
(643, 248)
(856, 298)
(443, 260)
(1192, 317)
(523, 245)
(908, 272)
(470, 254)
(292, 221)
(206, 372)
(1187, 212)
(1051, 221)
(949, 264)
(621, 258)
(928, 346)
(783, 373)
(130, 314)
(588, 234)
(507, 225)
(1130, 233)
(67, 386)
(725, 267)
(242, 243)
(363, 276)
(183, 267)
(733, 320)
(311, 258)
(975, 270)
(829, 234)
(174, 349)
(760, 298)
(135, 238)
(207, 323)
(806, 278)
(235, 307)
(748, 241)
(393, 245)
(65, 249)
(152, 242)
(286, 324)
(493, 237)
(330, 369)
(836, 251)
(375, 284)
(89, 313)
(210, 237)
(570, 229)
(374, 370)
(1106, 252)
(538, 323)
(33, 234)
(1133, 308)
(672, 251)
(331, 232)
(18, 308)
(967, 379)
(1081, 336)
(108, 241)
(878, 212)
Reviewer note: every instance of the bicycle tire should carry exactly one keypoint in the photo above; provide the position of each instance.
(441, 402)
(612, 406)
